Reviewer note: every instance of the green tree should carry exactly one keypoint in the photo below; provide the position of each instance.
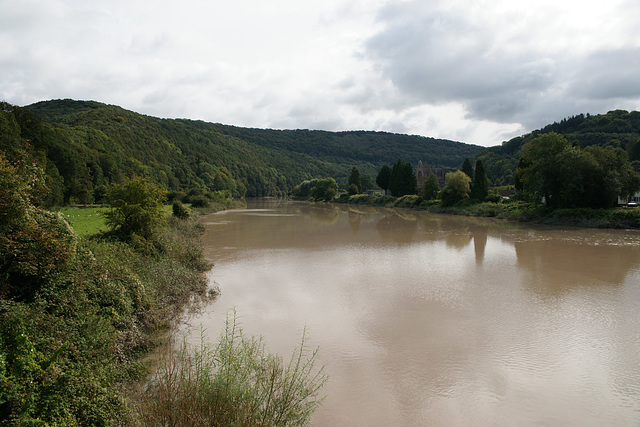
(567, 176)
(367, 183)
(136, 208)
(325, 189)
(431, 188)
(480, 186)
(303, 190)
(467, 167)
(618, 178)
(384, 175)
(456, 188)
(402, 180)
(354, 179)
(541, 178)
(34, 244)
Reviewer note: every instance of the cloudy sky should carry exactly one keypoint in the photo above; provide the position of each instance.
(478, 71)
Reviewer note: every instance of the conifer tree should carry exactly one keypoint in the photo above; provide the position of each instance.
(480, 185)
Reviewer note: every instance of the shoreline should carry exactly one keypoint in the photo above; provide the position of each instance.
(613, 218)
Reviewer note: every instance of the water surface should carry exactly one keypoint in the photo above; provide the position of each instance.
(438, 320)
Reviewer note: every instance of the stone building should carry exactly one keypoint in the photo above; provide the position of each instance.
(424, 170)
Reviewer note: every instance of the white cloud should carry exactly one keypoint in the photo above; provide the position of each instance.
(478, 71)
(508, 63)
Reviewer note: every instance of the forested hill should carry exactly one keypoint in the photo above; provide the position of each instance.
(87, 145)
(617, 128)
(356, 146)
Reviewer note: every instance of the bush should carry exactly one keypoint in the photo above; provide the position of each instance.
(362, 199)
(385, 200)
(407, 201)
(179, 210)
(235, 383)
(200, 201)
(136, 207)
(493, 198)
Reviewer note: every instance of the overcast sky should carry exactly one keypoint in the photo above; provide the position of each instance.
(478, 71)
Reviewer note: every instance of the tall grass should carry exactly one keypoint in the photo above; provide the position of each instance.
(234, 383)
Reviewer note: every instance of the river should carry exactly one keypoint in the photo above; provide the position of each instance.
(433, 320)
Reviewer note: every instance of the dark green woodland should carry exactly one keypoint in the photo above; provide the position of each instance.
(85, 146)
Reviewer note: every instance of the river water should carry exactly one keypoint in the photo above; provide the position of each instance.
(430, 320)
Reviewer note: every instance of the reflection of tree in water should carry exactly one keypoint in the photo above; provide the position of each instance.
(556, 266)
(479, 234)
(354, 221)
(457, 233)
(400, 229)
(323, 213)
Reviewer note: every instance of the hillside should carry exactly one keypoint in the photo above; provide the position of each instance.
(87, 145)
(617, 128)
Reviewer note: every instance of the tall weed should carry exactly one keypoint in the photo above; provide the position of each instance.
(234, 383)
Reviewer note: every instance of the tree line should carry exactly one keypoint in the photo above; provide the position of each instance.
(400, 180)
(615, 129)
(85, 147)
(550, 171)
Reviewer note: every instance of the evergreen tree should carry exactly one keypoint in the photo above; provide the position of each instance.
(354, 179)
(467, 168)
(480, 186)
(384, 175)
(402, 180)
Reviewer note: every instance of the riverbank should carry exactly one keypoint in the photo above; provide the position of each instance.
(510, 210)
(79, 313)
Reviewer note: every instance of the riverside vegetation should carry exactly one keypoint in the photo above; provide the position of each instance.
(78, 314)
(556, 182)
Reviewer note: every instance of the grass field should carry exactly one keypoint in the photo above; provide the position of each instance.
(90, 219)
(85, 220)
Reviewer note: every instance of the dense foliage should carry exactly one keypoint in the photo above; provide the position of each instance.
(456, 188)
(567, 176)
(431, 189)
(402, 180)
(615, 129)
(76, 313)
(87, 146)
(136, 208)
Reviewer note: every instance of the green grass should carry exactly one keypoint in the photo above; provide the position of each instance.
(85, 221)
(90, 220)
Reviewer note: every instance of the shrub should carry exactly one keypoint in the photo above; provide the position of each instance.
(384, 200)
(407, 201)
(179, 210)
(200, 201)
(493, 198)
(235, 383)
(136, 207)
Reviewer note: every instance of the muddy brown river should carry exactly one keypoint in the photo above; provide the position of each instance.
(430, 320)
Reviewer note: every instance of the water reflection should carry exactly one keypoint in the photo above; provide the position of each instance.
(556, 267)
(417, 326)
(397, 228)
(480, 235)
